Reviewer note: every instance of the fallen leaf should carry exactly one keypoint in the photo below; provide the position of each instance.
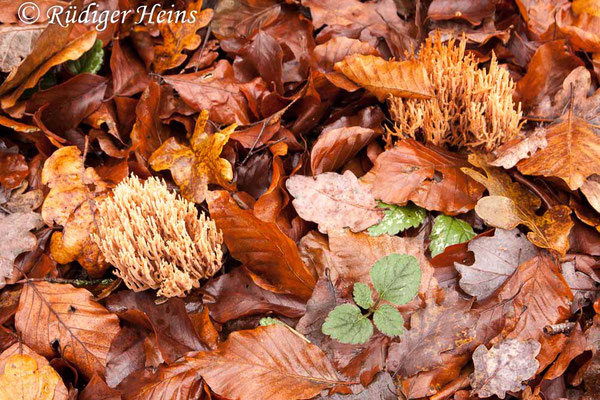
(504, 367)
(58, 319)
(510, 204)
(407, 79)
(242, 18)
(178, 36)
(510, 153)
(128, 71)
(539, 14)
(269, 255)
(338, 48)
(591, 190)
(428, 176)
(16, 238)
(474, 12)
(97, 389)
(334, 201)
(24, 379)
(198, 164)
(16, 43)
(584, 288)
(496, 259)
(73, 190)
(335, 147)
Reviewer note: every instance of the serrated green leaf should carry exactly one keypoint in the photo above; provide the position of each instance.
(362, 295)
(346, 324)
(397, 219)
(447, 231)
(388, 320)
(270, 321)
(89, 62)
(396, 277)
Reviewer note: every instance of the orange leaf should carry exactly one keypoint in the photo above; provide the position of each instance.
(196, 165)
(572, 153)
(179, 36)
(70, 203)
(57, 319)
(24, 379)
(383, 78)
(271, 256)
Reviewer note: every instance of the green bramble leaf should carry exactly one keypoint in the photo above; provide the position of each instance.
(362, 295)
(89, 62)
(388, 320)
(270, 321)
(346, 324)
(396, 278)
(447, 231)
(397, 219)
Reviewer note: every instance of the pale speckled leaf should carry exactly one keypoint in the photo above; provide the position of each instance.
(447, 231)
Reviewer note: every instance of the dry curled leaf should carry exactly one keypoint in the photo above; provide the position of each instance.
(198, 164)
(71, 203)
(510, 204)
(335, 147)
(504, 367)
(16, 42)
(15, 238)
(24, 379)
(428, 176)
(56, 319)
(334, 201)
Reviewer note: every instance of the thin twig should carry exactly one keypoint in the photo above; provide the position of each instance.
(74, 282)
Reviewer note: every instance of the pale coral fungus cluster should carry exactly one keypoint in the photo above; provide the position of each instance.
(472, 108)
(155, 239)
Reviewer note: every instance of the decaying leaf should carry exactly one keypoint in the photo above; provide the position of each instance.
(16, 42)
(15, 238)
(428, 176)
(56, 319)
(71, 203)
(504, 367)
(24, 379)
(198, 164)
(334, 201)
(509, 204)
(496, 258)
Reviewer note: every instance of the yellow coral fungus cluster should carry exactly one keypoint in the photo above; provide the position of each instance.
(156, 239)
(471, 107)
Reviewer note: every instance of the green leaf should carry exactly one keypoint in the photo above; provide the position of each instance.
(388, 320)
(447, 231)
(89, 62)
(397, 219)
(346, 324)
(270, 321)
(396, 278)
(362, 295)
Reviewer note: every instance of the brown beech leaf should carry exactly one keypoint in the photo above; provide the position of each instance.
(128, 71)
(178, 36)
(510, 204)
(387, 78)
(16, 238)
(97, 389)
(510, 153)
(337, 48)
(572, 153)
(13, 169)
(428, 176)
(24, 379)
(235, 295)
(496, 258)
(334, 201)
(474, 11)
(335, 147)
(70, 203)
(539, 14)
(198, 164)
(58, 319)
(436, 329)
(268, 253)
(504, 367)
(242, 18)
(269, 362)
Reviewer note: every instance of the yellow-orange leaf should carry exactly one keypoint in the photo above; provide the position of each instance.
(179, 36)
(572, 153)
(510, 204)
(383, 78)
(196, 164)
(70, 203)
(23, 379)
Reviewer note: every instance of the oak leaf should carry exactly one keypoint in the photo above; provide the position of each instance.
(510, 204)
(270, 256)
(56, 319)
(70, 203)
(180, 36)
(334, 201)
(24, 379)
(197, 164)
(16, 238)
(572, 153)
(407, 79)
(428, 176)
(496, 259)
(504, 367)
